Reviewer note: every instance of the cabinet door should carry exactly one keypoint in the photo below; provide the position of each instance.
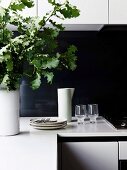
(92, 11)
(30, 11)
(26, 12)
(117, 11)
(123, 150)
(89, 156)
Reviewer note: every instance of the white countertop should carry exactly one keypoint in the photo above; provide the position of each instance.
(37, 149)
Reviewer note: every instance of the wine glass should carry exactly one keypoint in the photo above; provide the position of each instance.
(93, 112)
(80, 112)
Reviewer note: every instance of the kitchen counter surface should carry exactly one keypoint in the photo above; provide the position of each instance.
(37, 149)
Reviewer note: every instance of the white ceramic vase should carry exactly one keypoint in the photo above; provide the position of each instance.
(65, 103)
(9, 112)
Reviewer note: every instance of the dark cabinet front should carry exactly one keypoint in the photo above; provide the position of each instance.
(123, 165)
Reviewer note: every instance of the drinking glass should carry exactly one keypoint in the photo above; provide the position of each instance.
(80, 111)
(93, 112)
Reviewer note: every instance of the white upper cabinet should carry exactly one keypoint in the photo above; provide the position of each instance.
(92, 11)
(117, 11)
(26, 12)
(30, 11)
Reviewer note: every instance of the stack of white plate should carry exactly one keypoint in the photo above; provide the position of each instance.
(48, 123)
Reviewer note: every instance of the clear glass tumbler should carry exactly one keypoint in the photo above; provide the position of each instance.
(93, 112)
(80, 112)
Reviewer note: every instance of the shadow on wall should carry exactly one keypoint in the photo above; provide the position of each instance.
(101, 76)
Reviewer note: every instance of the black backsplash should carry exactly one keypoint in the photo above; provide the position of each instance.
(100, 77)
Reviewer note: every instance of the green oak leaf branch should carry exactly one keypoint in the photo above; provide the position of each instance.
(33, 52)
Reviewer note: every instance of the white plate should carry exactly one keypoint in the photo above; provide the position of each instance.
(49, 127)
(58, 122)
